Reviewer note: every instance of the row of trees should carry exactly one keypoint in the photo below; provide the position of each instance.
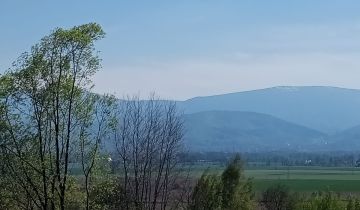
(279, 158)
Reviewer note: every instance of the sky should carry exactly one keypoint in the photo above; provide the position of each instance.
(187, 48)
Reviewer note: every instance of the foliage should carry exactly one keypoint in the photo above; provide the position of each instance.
(353, 204)
(323, 201)
(76, 196)
(278, 197)
(48, 112)
(107, 194)
(207, 193)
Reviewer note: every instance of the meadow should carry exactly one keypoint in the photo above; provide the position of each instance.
(298, 179)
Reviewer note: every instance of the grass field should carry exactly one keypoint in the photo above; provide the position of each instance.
(300, 179)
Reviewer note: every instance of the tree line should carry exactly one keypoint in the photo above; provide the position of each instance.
(278, 158)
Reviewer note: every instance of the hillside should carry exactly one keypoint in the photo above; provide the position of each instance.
(347, 140)
(246, 131)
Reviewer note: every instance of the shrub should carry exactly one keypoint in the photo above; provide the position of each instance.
(278, 197)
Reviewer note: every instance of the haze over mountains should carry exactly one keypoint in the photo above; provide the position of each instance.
(297, 118)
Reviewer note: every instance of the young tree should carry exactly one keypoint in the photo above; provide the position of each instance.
(207, 193)
(95, 126)
(237, 190)
(43, 101)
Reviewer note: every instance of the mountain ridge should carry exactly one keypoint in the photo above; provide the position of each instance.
(324, 108)
(281, 87)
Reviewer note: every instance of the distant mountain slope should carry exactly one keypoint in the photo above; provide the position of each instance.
(246, 131)
(326, 109)
(348, 139)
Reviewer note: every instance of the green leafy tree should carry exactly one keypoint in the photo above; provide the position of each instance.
(237, 190)
(207, 193)
(48, 114)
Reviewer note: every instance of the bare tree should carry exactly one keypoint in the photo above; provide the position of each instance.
(148, 139)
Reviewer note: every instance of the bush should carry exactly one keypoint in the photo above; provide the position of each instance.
(323, 201)
(353, 204)
(75, 196)
(278, 197)
(107, 194)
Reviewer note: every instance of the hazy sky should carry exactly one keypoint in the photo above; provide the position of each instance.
(181, 49)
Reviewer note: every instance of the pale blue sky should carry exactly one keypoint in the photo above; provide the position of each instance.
(186, 48)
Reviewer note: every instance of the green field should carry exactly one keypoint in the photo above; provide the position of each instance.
(300, 179)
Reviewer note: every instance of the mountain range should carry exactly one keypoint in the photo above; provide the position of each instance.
(292, 118)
